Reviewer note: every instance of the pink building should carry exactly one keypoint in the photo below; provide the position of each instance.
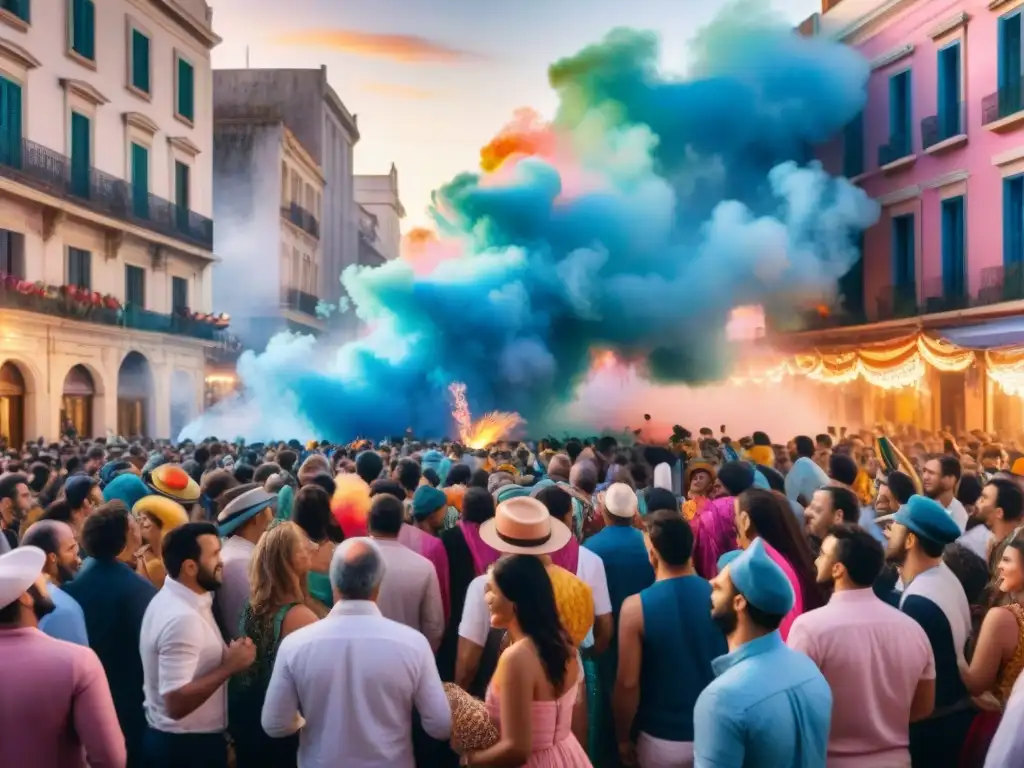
(940, 145)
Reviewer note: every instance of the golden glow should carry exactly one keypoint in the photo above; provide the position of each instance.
(490, 428)
(218, 378)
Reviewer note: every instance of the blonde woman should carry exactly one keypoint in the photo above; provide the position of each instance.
(278, 605)
(157, 516)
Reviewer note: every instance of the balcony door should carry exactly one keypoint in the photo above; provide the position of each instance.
(140, 181)
(10, 123)
(81, 154)
(181, 194)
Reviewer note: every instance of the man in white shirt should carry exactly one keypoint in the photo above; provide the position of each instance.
(243, 520)
(939, 477)
(185, 664)
(356, 676)
(411, 593)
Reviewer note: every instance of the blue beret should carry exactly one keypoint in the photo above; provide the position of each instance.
(928, 519)
(756, 576)
(432, 459)
(426, 501)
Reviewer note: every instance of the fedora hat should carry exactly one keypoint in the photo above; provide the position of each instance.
(523, 526)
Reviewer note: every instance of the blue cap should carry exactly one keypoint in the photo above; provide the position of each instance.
(928, 519)
(756, 576)
(77, 490)
(432, 459)
(426, 501)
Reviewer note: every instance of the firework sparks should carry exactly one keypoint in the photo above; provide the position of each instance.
(490, 428)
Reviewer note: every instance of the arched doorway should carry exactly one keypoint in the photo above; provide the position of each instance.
(77, 402)
(183, 401)
(134, 395)
(12, 405)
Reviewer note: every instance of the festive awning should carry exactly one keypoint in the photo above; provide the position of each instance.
(1005, 332)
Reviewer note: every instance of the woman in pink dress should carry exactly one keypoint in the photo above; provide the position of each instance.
(534, 688)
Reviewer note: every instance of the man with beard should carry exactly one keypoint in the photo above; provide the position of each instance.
(933, 596)
(185, 663)
(57, 705)
(769, 705)
(15, 503)
(57, 540)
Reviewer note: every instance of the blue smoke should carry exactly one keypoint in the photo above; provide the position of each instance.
(709, 201)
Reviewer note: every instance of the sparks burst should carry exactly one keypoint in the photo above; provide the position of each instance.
(490, 428)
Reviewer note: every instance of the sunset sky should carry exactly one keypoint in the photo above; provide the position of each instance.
(432, 81)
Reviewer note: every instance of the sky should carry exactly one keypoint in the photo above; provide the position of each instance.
(432, 81)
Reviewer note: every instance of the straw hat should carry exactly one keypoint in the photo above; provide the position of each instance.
(472, 727)
(170, 514)
(175, 483)
(523, 526)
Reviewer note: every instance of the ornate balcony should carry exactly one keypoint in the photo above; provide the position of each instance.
(1007, 101)
(51, 172)
(899, 146)
(301, 218)
(936, 129)
(301, 301)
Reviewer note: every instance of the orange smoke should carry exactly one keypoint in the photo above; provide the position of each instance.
(424, 250)
(527, 135)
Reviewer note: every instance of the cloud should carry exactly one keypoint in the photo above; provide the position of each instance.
(398, 91)
(408, 49)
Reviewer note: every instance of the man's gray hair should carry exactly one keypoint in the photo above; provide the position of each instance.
(357, 568)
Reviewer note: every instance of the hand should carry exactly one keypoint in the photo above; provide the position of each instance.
(240, 655)
(627, 753)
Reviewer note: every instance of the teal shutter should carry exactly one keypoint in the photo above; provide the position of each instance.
(953, 247)
(186, 90)
(853, 147)
(140, 61)
(10, 123)
(20, 8)
(83, 28)
(80, 154)
(140, 181)
(181, 195)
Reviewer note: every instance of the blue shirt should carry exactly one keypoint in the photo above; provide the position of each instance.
(768, 707)
(66, 622)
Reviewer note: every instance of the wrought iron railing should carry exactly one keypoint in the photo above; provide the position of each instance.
(51, 172)
(945, 125)
(301, 218)
(895, 302)
(899, 146)
(944, 295)
(301, 301)
(1008, 100)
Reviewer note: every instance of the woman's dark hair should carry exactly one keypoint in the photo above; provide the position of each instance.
(558, 502)
(325, 481)
(459, 474)
(773, 520)
(524, 581)
(477, 505)
(311, 511)
(901, 485)
(659, 499)
(479, 479)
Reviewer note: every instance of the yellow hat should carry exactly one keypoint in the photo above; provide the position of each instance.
(175, 483)
(170, 514)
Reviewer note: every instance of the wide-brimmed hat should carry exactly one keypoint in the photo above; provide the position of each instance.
(170, 513)
(172, 481)
(244, 508)
(523, 526)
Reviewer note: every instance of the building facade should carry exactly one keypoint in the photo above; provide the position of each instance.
(268, 197)
(940, 145)
(370, 245)
(106, 240)
(378, 194)
(309, 106)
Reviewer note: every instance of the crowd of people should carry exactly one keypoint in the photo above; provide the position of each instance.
(832, 601)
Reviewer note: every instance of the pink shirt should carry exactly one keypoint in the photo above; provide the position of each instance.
(798, 594)
(873, 657)
(55, 704)
(432, 548)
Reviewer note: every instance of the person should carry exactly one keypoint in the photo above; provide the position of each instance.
(312, 513)
(830, 506)
(768, 705)
(429, 507)
(533, 693)
(657, 685)
(15, 503)
(81, 496)
(355, 676)
(806, 476)
(157, 516)
(185, 664)
(241, 523)
(57, 540)
(1007, 746)
(875, 658)
(934, 598)
(276, 608)
(714, 527)
(1001, 509)
(114, 600)
(58, 711)
(939, 478)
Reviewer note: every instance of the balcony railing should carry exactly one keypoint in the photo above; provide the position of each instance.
(941, 295)
(1008, 100)
(1002, 283)
(301, 301)
(301, 218)
(938, 128)
(51, 172)
(899, 146)
(896, 302)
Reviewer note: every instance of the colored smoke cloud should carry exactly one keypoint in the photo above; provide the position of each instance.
(647, 210)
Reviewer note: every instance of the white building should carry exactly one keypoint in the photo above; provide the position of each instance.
(105, 185)
(379, 196)
(268, 197)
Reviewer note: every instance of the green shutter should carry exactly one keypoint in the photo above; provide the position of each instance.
(83, 28)
(140, 181)
(10, 123)
(140, 61)
(186, 93)
(80, 154)
(20, 8)
(181, 195)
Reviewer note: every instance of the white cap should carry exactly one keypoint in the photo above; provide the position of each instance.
(19, 570)
(620, 500)
(663, 477)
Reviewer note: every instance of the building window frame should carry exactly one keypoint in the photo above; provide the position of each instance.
(16, 14)
(11, 140)
(177, 280)
(78, 267)
(134, 28)
(179, 59)
(12, 254)
(901, 126)
(139, 274)
(81, 50)
(953, 212)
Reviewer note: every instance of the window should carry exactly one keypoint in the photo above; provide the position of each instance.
(284, 184)
(139, 63)
(903, 253)
(10, 123)
(296, 266)
(186, 96)
(853, 147)
(1010, 64)
(82, 28)
(953, 245)
(19, 8)
(179, 294)
(851, 285)
(949, 91)
(79, 268)
(181, 195)
(135, 286)
(140, 180)
(899, 115)
(81, 145)
(1013, 220)
(12, 253)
